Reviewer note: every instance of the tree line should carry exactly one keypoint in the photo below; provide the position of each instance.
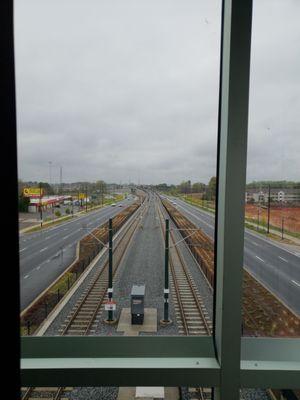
(208, 191)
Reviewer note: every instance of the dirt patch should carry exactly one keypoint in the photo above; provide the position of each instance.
(289, 215)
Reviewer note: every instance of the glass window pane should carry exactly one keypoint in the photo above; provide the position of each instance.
(117, 105)
(271, 301)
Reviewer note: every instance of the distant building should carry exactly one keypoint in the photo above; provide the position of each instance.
(281, 195)
(46, 202)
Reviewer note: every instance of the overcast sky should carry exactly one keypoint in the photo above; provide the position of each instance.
(128, 90)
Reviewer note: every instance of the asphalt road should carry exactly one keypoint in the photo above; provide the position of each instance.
(46, 254)
(277, 268)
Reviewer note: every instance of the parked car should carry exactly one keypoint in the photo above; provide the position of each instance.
(113, 204)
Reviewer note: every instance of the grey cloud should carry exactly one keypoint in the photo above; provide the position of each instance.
(119, 90)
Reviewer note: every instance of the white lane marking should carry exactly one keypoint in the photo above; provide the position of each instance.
(256, 235)
(256, 244)
(23, 249)
(26, 276)
(66, 237)
(296, 283)
(271, 242)
(65, 229)
(260, 259)
(38, 267)
(48, 237)
(283, 259)
(45, 248)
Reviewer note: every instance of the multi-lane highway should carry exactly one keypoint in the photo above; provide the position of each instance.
(45, 254)
(273, 265)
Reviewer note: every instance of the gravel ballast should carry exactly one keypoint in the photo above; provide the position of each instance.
(143, 263)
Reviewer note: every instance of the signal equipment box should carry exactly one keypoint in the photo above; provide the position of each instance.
(137, 304)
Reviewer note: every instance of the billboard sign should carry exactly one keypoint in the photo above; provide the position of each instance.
(33, 192)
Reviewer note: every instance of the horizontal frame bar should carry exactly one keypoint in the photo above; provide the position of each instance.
(270, 363)
(154, 361)
(116, 346)
(122, 361)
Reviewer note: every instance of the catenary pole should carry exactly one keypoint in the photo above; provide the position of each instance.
(110, 267)
(166, 290)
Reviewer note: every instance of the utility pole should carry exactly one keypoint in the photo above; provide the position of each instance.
(282, 227)
(41, 205)
(72, 206)
(86, 198)
(50, 172)
(269, 204)
(60, 179)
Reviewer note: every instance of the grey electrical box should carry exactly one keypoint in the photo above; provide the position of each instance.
(137, 304)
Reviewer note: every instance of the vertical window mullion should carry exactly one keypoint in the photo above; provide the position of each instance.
(232, 157)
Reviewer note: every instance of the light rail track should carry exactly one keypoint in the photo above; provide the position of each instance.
(41, 393)
(191, 315)
(88, 310)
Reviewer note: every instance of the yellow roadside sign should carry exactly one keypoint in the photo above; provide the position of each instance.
(27, 192)
(82, 196)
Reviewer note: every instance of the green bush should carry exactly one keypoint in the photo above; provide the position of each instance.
(68, 211)
(57, 213)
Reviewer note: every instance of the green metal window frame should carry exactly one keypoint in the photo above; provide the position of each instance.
(225, 361)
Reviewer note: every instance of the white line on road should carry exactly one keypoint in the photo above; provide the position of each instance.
(26, 276)
(256, 244)
(23, 249)
(48, 237)
(66, 237)
(45, 248)
(260, 259)
(38, 267)
(283, 259)
(296, 283)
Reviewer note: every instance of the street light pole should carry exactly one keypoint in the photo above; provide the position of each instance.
(86, 198)
(269, 204)
(41, 207)
(50, 172)
(72, 210)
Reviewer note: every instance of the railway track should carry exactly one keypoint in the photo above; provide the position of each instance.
(192, 317)
(39, 393)
(88, 310)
